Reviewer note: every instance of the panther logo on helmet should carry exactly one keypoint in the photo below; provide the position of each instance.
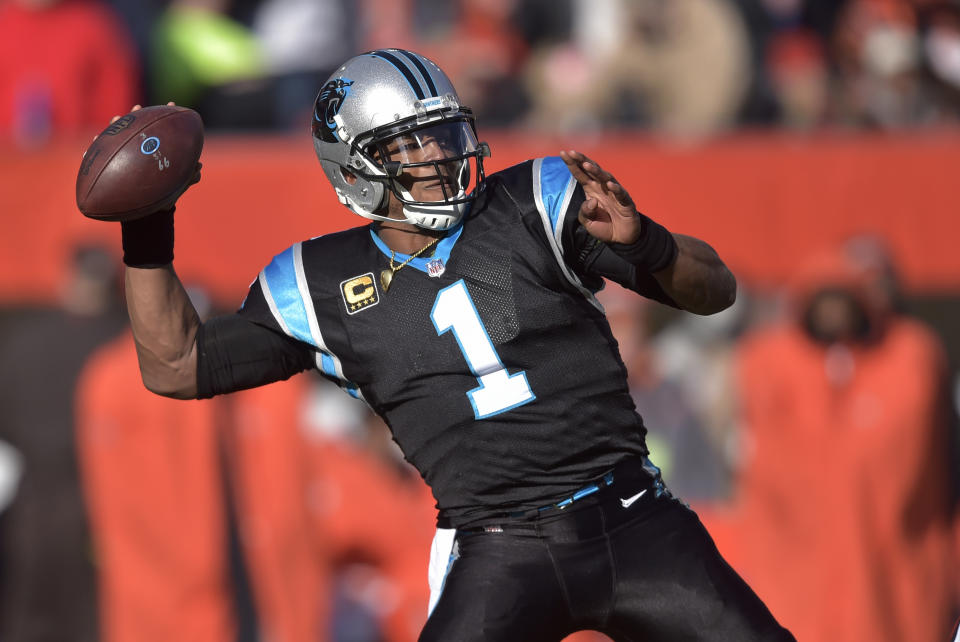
(328, 104)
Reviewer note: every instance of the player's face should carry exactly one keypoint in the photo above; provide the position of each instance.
(433, 167)
(425, 183)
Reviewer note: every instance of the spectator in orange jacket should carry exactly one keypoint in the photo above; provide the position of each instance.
(158, 491)
(66, 66)
(375, 516)
(272, 474)
(156, 506)
(310, 510)
(844, 492)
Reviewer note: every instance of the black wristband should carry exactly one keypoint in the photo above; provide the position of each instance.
(655, 250)
(148, 241)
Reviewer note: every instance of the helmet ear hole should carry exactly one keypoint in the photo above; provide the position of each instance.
(348, 176)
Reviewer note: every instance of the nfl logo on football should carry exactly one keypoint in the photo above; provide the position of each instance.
(436, 268)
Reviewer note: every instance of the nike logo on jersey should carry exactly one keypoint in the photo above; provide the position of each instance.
(626, 503)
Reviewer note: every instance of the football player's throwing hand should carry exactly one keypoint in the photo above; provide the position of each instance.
(608, 213)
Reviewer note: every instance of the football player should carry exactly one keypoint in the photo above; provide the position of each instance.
(464, 314)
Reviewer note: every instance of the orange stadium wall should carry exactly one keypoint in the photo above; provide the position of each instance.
(762, 201)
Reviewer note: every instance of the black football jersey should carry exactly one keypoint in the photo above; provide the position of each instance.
(491, 359)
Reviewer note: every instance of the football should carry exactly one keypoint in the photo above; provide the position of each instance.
(140, 164)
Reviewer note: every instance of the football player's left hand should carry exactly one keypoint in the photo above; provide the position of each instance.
(608, 213)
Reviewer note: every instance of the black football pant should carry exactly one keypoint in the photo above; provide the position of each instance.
(648, 573)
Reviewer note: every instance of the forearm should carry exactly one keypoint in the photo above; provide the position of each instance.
(698, 280)
(165, 326)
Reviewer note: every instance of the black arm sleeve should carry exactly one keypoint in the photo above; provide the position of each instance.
(594, 260)
(235, 353)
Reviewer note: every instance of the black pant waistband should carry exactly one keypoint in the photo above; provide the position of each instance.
(628, 478)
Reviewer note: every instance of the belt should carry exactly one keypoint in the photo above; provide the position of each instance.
(633, 474)
(586, 491)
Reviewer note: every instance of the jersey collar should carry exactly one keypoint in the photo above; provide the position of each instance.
(442, 251)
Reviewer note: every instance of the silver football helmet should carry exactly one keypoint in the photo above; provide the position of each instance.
(390, 121)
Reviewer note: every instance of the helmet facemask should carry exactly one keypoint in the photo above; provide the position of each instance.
(433, 170)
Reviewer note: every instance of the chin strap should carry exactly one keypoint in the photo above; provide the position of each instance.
(435, 217)
(431, 217)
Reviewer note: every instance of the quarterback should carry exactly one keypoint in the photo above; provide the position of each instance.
(464, 314)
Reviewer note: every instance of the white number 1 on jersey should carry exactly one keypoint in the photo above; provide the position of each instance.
(498, 390)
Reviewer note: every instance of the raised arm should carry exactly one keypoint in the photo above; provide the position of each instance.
(165, 326)
(163, 319)
(687, 269)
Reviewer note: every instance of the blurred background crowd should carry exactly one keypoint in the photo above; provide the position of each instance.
(683, 67)
(813, 424)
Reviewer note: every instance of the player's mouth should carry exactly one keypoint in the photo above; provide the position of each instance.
(435, 187)
(446, 186)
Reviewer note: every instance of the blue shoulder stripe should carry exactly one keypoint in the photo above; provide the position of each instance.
(553, 186)
(284, 287)
(280, 279)
(328, 366)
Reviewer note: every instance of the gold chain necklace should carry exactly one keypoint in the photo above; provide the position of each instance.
(386, 276)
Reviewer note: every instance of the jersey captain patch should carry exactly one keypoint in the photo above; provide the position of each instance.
(359, 293)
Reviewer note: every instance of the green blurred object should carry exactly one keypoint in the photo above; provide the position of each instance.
(194, 50)
(661, 454)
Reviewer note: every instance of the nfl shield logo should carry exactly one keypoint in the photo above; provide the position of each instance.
(436, 267)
